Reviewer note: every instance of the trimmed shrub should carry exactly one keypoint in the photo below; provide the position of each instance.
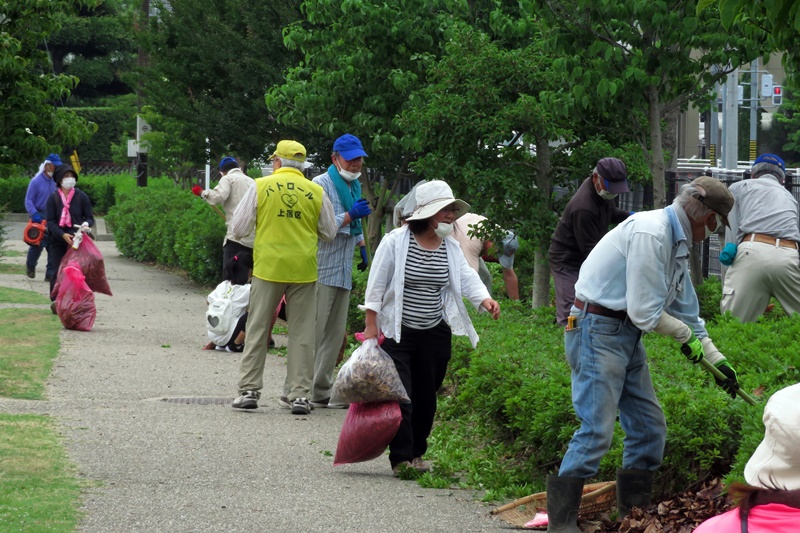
(507, 418)
(12, 192)
(169, 227)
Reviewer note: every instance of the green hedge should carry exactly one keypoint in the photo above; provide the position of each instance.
(101, 190)
(507, 418)
(171, 227)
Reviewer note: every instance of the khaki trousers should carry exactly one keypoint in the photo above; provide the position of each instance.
(301, 302)
(759, 272)
(332, 306)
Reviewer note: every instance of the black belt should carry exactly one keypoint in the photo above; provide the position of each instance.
(600, 310)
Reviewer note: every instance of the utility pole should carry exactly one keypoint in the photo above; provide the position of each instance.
(730, 121)
(141, 156)
(754, 100)
(713, 134)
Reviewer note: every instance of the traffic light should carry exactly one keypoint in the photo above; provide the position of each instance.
(777, 95)
(766, 85)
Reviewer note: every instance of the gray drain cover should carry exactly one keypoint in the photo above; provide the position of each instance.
(199, 401)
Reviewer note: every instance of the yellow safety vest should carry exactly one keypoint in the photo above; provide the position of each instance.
(285, 248)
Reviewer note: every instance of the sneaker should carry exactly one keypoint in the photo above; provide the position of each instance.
(31, 274)
(247, 400)
(236, 348)
(53, 307)
(419, 465)
(321, 403)
(271, 343)
(284, 402)
(301, 406)
(404, 469)
(326, 404)
(48, 279)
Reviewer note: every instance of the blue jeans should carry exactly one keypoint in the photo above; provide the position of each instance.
(609, 371)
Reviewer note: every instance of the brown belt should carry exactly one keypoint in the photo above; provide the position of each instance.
(766, 239)
(600, 310)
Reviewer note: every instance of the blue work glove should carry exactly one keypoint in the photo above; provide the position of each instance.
(362, 266)
(731, 383)
(693, 349)
(360, 209)
(36, 218)
(728, 254)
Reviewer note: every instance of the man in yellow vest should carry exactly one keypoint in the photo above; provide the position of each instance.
(290, 214)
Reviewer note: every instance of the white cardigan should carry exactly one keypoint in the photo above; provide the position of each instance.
(386, 283)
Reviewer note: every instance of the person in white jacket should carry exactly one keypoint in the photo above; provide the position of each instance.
(228, 193)
(235, 293)
(414, 296)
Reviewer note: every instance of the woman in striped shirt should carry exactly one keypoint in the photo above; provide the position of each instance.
(414, 296)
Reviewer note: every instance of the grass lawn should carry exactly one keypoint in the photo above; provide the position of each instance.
(28, 345)
(38, 487)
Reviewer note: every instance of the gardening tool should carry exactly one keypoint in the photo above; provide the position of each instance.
(597, 498)
(219, 212)
(722, 377)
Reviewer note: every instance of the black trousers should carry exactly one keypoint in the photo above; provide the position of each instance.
(421, 359)
(56, 252)
(231, 248)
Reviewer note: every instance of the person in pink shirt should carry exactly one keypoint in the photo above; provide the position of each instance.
(770, 502)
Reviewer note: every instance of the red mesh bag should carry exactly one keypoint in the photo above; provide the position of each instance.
(75, 301)
(91, 264)
(367, 430)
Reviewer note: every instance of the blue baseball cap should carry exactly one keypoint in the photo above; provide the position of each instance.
(772, 159)
(349, 147)
(227, 160)
(53, 158)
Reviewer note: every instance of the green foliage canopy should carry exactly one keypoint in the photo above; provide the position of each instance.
(210, 62)
(32, 126)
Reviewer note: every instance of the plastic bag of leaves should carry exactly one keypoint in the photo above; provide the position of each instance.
(368, 376)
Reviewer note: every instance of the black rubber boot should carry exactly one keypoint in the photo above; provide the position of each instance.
(634, 489)
(563, 500)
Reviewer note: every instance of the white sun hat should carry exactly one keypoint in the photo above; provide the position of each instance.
(432, 197)
(776, 461)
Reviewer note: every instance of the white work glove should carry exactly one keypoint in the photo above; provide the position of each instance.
(713, 355)
(669, 325)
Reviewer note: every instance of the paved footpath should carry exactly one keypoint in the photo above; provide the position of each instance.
(145, 415)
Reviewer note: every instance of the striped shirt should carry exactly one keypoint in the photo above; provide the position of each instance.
(335, 258)
(426, 278)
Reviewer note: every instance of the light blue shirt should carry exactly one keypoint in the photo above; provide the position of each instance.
(642, 267)
(762, 205)
(335, 258)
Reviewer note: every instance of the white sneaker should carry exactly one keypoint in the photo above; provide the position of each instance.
(301, 406)
(247, 400)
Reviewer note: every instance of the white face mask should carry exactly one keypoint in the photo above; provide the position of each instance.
(605, 195)
(717, 228)
(443, 230)
(67, 183)
(347, 175)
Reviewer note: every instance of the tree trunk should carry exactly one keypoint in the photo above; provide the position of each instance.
(541, 266)
(656, 162)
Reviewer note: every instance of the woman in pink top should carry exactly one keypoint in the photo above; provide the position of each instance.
(770, 503)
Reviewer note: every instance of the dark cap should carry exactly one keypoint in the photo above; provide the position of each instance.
(714, 195)
(228, 162)
(58, 173)
(771, 159)
(614, 172)
(349, 147)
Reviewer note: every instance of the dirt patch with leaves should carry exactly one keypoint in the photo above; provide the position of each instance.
(679, 514)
